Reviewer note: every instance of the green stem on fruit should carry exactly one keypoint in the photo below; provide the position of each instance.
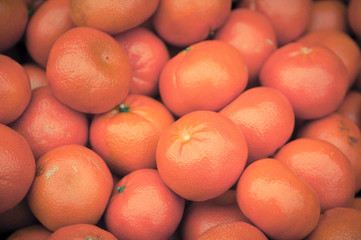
(120, 189)
(123, 108)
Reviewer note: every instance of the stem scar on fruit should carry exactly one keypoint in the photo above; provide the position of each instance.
(120, 189)
(123, 108)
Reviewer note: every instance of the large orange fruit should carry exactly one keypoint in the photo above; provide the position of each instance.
(72, 185)
(312, 77)
(88, 70)
(205, 76)
(277, 201)
(265, 117)
(324, 167)
(15, 89)
(127, 136)
(182, 23)
(201, 155)
(47, 123)
(112, 16)
(354, 17)
(143, 207)
(17, 168)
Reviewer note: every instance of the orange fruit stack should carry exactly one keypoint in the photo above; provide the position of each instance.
(168, 119)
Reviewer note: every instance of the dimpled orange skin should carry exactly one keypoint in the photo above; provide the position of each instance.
(127, 136)
(201, 155)
(44, 129)
(147, 53)
(265, 117)
(233, 231)
(88, 70)
(17, 168)
(324, 167)
(72, 185)
(253, 35)
(338, 224)
(182, 23)
(205, 76)
(351, 107)
(289, 18)
(15, 89)
(341, 132)
(342, 44)
(201, 216)
(112, 16)
(277, 201)
(31, 232)
(81, 232)
(47, 24)
(312, 77)
(142, 206)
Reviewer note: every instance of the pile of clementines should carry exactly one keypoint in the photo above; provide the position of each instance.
(169, 119)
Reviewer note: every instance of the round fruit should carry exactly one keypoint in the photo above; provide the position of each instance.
(81, 232)
(42, 127)
(312, 77)
(205, 76)
(88, 70)
(72, 185)
(17, 168)
(15, 90)
(142, 206)
(277, 201)
(201, 155)
(127, 136)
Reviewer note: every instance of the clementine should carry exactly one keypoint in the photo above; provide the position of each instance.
(233, 231)
(112, 16)
(72, 185)
(32, 232)
(183, 23)
(17, 168)
(48, 23)
(142, 206)
(288, 18)
(15, 90)
(341, 132)
(13, 21)
(277, 201)
(47, 123)
(127, 136)
(205, 76)
(201, 216)
(312, 77)
(201, 155)
(338, 223)
(324, 167)
(253, 35)
(147, 54)
(81, 231)
(88, 70)
(266, 118)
